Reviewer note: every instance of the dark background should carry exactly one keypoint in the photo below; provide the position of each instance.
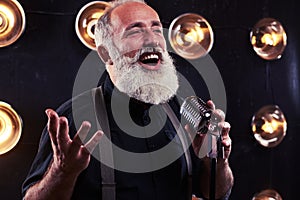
(39, 69)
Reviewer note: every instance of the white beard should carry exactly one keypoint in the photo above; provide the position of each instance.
(153, 87)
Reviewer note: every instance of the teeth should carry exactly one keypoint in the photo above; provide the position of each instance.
(150, 56)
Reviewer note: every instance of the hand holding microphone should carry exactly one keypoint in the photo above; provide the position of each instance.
(205, 120)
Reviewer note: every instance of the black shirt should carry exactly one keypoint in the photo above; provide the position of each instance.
(134, 135)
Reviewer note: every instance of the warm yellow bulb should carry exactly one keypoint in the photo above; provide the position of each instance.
(271, 39)
(6, 127)
(195, 35)
(86, 20)
(268, 39)
(268, 194)
(191, 36)
(10, 128)
(7, 12)
(269, 126)
(12, 23)
(1, 20)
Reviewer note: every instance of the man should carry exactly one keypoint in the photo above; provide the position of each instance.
(130, 42)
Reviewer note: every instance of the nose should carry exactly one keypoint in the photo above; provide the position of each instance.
(150, 39)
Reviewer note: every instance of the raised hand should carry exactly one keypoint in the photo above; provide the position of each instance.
(70, 156)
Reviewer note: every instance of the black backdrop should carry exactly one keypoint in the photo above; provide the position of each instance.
(39, 69)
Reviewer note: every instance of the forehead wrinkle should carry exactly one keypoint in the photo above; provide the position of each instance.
(142, 24)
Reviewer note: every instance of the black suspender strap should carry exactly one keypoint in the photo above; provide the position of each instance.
(181, 133)
(107, 173)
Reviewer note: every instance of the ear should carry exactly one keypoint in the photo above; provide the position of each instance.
(103, 53)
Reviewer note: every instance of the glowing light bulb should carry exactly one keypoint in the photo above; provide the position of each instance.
(269, 126)
(86, 21)
(268, 39)
(12, 22)
(268, 194)
(191, 36)
(10, 128)
(6, 127)
(1, 20)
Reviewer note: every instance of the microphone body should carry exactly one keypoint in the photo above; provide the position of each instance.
(200, 117)
(196, 113)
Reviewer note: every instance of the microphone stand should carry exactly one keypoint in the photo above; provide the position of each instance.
(216, 151)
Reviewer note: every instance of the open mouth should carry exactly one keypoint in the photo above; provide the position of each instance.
(150, 58)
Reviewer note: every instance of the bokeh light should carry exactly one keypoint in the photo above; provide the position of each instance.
(10, 127)
(268, 194)
(86, 21)
(268, 38)
(191, 36)
(269, 125)
(12, 21)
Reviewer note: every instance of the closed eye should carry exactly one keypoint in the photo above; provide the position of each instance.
(157, 30)
(133, 32)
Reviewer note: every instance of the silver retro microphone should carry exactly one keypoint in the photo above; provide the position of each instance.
(200, 117)
(196, 113)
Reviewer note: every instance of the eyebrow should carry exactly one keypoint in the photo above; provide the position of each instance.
(140, 24)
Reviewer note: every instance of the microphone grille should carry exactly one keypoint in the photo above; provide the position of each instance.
(196, 112)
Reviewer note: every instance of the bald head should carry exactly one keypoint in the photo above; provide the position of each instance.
(130, 13)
